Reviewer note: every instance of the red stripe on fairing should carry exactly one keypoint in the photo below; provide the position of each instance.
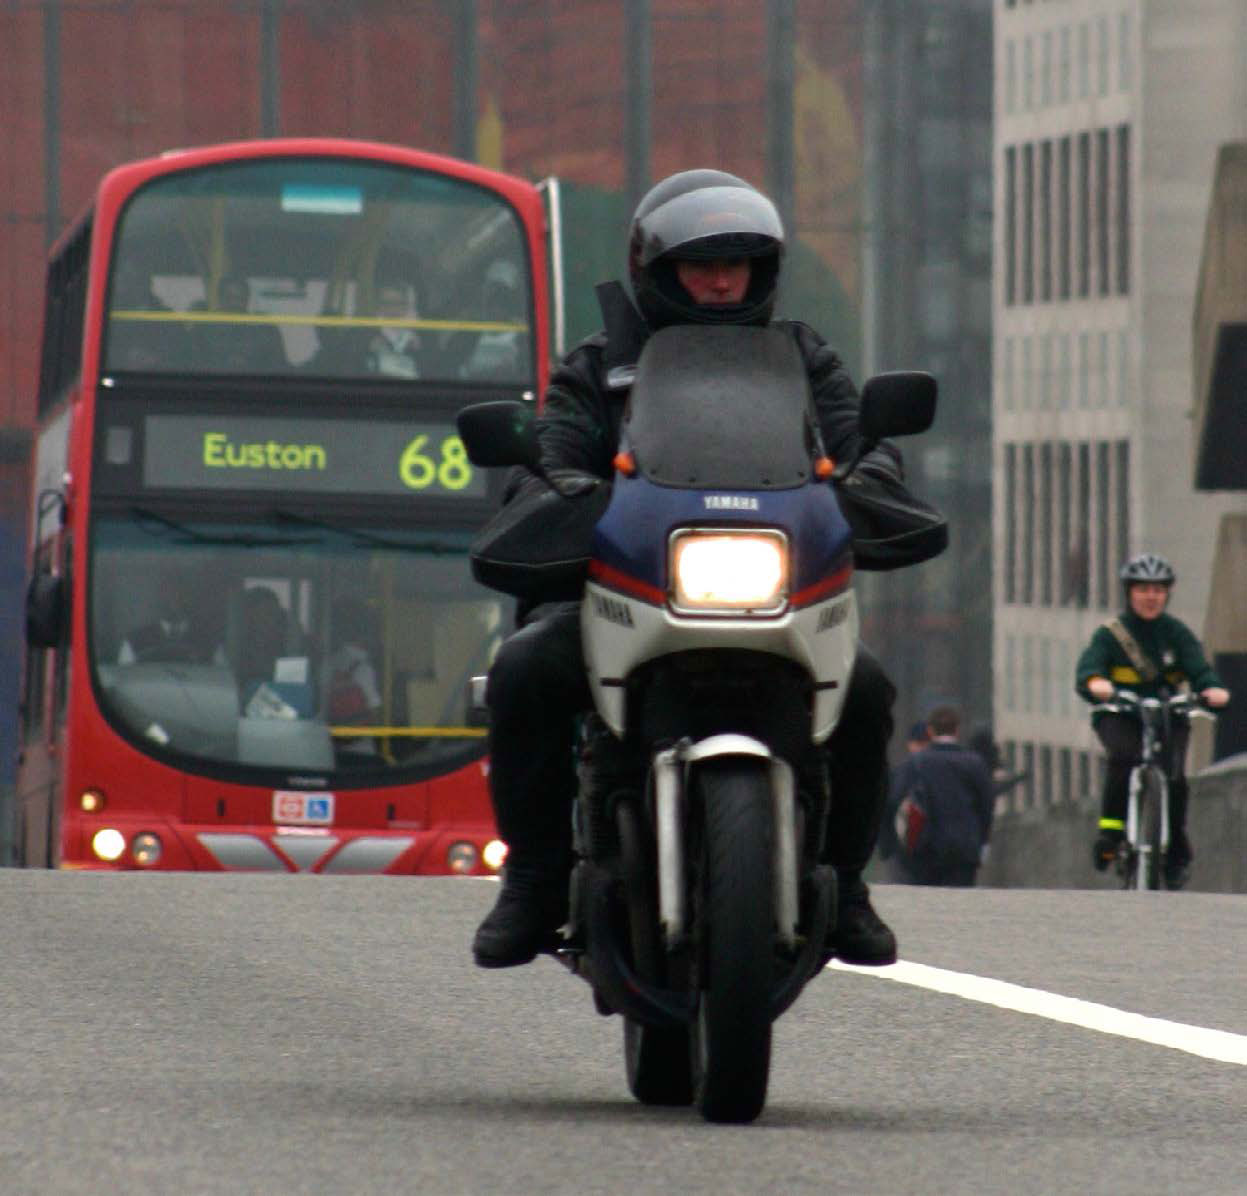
(827, 588)
(613, 579)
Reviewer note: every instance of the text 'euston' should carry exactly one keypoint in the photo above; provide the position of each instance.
(222, 453)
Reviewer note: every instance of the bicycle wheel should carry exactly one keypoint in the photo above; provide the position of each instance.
(1150, 847)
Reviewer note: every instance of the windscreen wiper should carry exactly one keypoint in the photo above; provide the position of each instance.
(194, 536)
(432, 547)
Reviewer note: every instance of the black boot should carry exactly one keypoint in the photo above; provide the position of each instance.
(526, 917)
(860, 935)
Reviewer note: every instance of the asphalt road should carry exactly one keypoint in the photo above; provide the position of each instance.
(248, 1034)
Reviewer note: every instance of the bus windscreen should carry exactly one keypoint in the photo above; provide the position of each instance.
(315, 267)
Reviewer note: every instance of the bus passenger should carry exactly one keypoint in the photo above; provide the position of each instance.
(237, 347)
(352, 694)
(173, 635)
(140, 336)
(392, 349)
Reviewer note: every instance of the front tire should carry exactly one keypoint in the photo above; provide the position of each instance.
(657, 1062)
(1151, 799)
(731, 1039)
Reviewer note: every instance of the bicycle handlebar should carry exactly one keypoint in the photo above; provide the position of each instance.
(1125, 701)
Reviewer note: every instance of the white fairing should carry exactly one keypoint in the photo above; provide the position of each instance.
(621, 633)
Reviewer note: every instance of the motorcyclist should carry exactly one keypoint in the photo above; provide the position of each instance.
(705, 247)
(1156, 655)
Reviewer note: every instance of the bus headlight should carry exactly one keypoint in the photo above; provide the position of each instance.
(495, 854)
(109, 844)
(727, 572)
(147, 849)
(461, 858)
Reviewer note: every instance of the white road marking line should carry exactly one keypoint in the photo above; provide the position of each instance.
(1195, 1040)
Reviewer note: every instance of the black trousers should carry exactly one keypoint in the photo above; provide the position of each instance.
(1122, 737)
(537, 688)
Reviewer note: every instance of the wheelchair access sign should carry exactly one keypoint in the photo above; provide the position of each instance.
(302, 809)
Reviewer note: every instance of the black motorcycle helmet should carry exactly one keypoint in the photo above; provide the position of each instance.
(703, 214)
(1147, 567)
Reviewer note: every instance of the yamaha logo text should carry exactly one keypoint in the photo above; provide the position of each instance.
(730, 502)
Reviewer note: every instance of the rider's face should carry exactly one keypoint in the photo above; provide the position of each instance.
(1148, 599)
(713, 283)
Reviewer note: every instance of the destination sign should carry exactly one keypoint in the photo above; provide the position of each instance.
(240, 452)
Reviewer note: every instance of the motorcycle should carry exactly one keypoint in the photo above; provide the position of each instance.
(719, 627)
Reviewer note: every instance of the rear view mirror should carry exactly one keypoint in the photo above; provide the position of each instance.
(45, 610)
(500, 433)
(897, 404)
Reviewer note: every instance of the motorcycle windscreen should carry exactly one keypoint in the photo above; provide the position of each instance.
(723, 407)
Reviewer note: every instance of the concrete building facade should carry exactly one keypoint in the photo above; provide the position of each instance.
(1109, 115)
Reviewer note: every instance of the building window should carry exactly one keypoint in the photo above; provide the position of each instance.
(1011, 79)
(1045, 222)
(1122, 504)
(1103, 53)
(1084, 215)
(1125, 41)
(1028, 224)
(1123, 209)
(1045, 524)
(1064, 214)
(1011, 230)
(1124, 384)
(1028, 74)
(1065, 528)
(1063, 371)
(1011, 523)
(1006, 374)
(1028, 524)
(1045, 68)
(1083, 368)
(1065, 782)
(1063, 83)
(1103, 228)
(1080, 570)
(1104, 373)
(1104, 525)
(1028, 374)
(1084, 60)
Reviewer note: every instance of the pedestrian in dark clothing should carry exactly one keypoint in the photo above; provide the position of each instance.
(947, 789)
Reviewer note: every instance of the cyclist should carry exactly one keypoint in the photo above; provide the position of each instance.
(1153, 654)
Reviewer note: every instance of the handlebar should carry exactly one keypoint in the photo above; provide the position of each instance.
(1125, 701)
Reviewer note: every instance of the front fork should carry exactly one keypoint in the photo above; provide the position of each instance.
(1133, 828)
(671, 771)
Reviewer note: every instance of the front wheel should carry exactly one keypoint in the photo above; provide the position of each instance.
(734, 925)
(656, 1060)
(1151, 821)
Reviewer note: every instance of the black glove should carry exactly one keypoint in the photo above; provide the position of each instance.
(883, 461)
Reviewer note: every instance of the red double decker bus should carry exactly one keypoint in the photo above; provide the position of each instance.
(251, 621)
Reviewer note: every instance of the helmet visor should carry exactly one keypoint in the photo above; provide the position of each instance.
(711, 222)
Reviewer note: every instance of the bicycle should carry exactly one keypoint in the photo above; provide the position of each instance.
(1140, 859)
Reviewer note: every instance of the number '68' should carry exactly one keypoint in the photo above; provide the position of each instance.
(418, 470)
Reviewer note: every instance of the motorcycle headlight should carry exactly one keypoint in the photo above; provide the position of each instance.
(727, 572)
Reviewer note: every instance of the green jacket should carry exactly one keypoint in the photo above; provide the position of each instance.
(1167, 642)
